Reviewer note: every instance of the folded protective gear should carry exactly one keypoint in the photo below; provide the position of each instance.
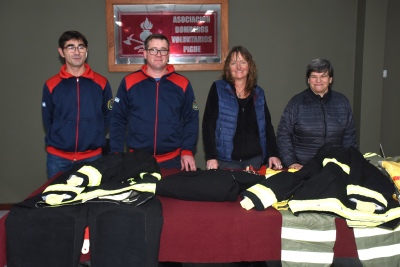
(125, 177)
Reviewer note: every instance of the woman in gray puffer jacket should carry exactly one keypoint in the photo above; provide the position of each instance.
(315, 117)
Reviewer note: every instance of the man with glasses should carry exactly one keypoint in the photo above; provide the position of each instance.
(155, 110)
(76, 108)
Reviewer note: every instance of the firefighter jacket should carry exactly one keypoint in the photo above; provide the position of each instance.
(124, 177)
(336, 181)
(210, 185)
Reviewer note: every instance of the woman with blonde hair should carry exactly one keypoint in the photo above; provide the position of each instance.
(237, 128)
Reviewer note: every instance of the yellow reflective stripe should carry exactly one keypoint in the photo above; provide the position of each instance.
(360, 224)
(63, 188)
(131, 181)
(57, 193)
(281, 205)
(270, 172)
(154, 174)
(246, 203)
(74, 180)
(329, 204)
(157, 175)
(344, 167)
(92, 173)
(359, 190)
(145, 187)
(101, 192)
(365, 206)
(354, 217)
(370, 154)
(335, 206)
(265, 194)
(60, 199)
(56, 199)
(118, 197)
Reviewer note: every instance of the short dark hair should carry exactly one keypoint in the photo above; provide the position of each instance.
(320, 65)
(252, 76)
(155, 36)
(71, 35)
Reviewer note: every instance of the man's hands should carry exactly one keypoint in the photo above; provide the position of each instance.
(188, 163)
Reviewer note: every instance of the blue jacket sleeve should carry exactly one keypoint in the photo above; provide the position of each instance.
(285, 134)
(349, 135)
(47, 109)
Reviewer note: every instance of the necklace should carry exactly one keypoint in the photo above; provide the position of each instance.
(239, 94)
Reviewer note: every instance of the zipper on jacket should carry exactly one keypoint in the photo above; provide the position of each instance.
(323, 113)
(156, 120)
(77, 116)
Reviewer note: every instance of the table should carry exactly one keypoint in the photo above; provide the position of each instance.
(202, 232)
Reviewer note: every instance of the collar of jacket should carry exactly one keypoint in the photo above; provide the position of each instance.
(87, 74)
(324, 98)
(170, 69)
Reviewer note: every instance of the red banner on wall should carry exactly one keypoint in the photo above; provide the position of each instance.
(190, 34)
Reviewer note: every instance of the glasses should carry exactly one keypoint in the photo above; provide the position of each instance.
(72, 49)
(154, 51)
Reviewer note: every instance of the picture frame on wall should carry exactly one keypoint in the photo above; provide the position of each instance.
(197, 31)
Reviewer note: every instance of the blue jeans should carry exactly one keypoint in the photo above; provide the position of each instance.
(240, 165)
(56, 164)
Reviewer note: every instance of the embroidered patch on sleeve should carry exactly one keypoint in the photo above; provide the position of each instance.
(194, 106)
(110, 104)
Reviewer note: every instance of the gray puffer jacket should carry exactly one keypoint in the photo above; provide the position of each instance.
(310, 121)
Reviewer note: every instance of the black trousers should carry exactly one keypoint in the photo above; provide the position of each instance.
(120, 235)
